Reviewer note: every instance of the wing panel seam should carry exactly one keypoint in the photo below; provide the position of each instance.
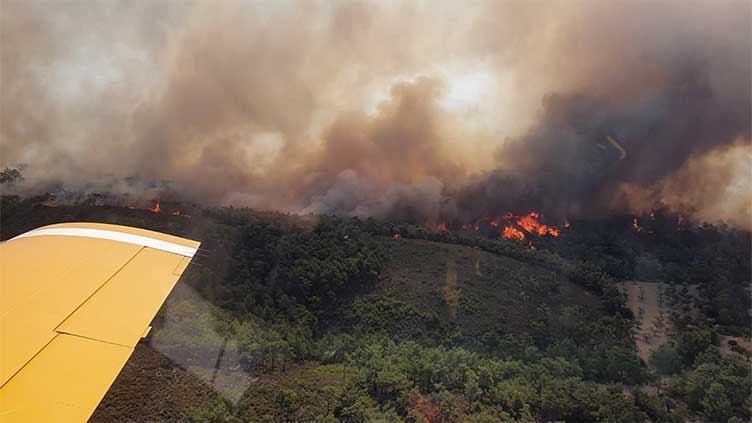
(29, 360)
(94, 339)
(97, 290)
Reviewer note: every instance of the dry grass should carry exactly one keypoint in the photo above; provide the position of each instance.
(151, 388)
(495, 292)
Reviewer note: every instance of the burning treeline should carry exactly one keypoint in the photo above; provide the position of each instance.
(413, 112)
(516, 227)
(157, 208)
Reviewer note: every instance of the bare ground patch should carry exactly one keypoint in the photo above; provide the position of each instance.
(645, 299)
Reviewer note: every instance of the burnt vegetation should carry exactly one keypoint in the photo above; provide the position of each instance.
(358, 320)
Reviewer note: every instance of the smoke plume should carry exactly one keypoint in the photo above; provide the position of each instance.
(415, 111)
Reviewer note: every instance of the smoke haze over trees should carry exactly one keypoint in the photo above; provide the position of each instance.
(415, 111)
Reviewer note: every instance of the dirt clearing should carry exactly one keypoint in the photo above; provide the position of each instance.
(647, 302)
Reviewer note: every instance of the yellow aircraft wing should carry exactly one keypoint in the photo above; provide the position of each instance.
(75, 299)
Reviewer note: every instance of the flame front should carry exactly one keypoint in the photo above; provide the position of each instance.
(636, 225)
(517, 227)
(531, 224)
(156, 208)
(510, 232)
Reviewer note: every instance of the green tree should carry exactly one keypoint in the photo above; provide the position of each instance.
(666, 359)
(716, 404)
(693, 342)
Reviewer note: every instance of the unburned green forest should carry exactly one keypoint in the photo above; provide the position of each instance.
(287, 318)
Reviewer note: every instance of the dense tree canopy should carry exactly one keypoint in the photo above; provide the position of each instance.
(302, 300)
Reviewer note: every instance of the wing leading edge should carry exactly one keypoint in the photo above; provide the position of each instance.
(75, 299)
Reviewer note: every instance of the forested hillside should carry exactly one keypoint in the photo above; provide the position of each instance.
(286, 318)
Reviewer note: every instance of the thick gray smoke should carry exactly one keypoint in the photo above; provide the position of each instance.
(415, 111)
(584, 150)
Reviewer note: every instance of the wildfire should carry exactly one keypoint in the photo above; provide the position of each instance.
(510, 232)
(516, 227)
(441, 227)
(531, 224)
(156, 208)
(636, 225)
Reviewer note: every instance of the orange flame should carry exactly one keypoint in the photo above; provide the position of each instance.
(441, 227)
(636, 225)
(510, 232)
(517, 227)
(156, 208)
(531, 224)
